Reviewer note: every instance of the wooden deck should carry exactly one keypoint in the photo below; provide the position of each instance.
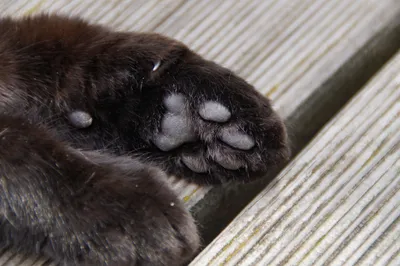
(338, 202)
(310, 57)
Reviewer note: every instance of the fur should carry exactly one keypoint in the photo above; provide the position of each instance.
(95, 193)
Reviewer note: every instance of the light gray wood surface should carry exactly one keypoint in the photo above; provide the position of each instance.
(287, 48)
(338, 202)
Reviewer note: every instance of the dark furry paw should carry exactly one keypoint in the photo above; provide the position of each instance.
(87, 208)
(129, 216)
(211, 126)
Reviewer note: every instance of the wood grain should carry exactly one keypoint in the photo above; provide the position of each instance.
(338, 202)
(287, 48)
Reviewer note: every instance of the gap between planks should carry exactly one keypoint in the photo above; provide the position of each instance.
(338, 202)
(296, 52)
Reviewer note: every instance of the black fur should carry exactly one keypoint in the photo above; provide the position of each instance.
(77, 192)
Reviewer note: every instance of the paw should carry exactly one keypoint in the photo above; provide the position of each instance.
(129, 217)
(210, 137)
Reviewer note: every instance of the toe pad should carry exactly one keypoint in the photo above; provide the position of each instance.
(214, 111)
(80, 119)
(236, 139)
(175, 103)
(195, 163)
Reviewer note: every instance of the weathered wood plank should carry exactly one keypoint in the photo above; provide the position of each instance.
(338, 202)
(288, 49)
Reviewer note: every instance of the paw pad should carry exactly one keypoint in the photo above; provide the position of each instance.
(80, 119)
(181, 124)
(236, 139)
(175, 103)
(215, 112)
(228, 161)
(176, 127)
(195, 163)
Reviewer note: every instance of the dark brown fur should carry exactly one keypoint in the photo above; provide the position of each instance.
(81, 196)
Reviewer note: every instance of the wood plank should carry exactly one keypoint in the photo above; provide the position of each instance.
(287, 48)
(338, 202)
